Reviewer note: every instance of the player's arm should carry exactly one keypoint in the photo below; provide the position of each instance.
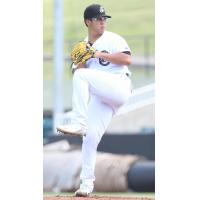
(121, 58)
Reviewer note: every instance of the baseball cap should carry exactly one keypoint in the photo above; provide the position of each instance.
(95, 10)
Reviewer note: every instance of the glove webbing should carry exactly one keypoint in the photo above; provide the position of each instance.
(81, 56)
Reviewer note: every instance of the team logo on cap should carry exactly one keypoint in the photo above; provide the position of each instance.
(101, 9)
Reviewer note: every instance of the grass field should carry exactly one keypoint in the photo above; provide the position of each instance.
(129, 18)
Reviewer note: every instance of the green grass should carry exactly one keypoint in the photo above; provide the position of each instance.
(129, 18)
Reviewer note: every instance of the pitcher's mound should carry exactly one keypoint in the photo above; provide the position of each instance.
(97, 198)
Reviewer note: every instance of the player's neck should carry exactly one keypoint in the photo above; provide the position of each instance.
(93, 36)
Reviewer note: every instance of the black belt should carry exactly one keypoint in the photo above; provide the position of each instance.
(127, 74)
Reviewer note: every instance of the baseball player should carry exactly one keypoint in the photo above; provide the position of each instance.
(101, 85)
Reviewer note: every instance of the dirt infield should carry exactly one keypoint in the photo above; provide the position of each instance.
(96, 198)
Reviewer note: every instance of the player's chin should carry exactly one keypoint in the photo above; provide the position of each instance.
(102, 29)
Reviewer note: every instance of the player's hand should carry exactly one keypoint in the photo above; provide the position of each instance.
(97, 54)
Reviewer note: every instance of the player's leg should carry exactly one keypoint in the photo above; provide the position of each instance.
(99, 117)
(113, 89)
(80, 98)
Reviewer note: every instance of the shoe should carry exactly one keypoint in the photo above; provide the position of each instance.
(71, 129)
(85, 190)
(80, 193)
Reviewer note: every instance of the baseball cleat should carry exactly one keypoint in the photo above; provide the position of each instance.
(85, 189)
(80, 193)
(71, 129)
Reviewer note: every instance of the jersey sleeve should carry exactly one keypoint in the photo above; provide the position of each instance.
(120, 45)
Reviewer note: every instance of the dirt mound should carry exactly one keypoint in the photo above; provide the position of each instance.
(96, 198)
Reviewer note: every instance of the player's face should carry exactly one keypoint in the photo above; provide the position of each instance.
(98, 24)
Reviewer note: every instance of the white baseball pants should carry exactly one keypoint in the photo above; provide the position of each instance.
(97, 95)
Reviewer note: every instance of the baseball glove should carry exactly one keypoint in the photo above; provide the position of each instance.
(81, 52)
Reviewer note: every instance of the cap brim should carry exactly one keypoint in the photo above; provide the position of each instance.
(103, 15)
(107, 16)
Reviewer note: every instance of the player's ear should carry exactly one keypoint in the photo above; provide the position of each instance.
(87, 22)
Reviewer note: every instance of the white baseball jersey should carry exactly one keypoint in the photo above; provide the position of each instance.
(111, 43)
